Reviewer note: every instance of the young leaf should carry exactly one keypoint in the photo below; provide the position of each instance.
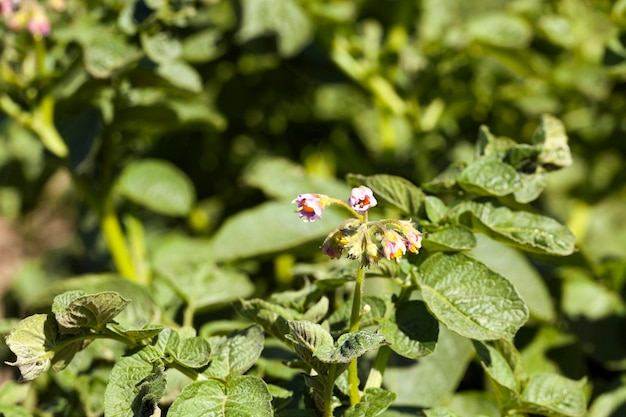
(532, 186)
(452, 238)
(489, 177)
(528, 231)
(396, 191)
(412, 331)
(193, 352)
(93, 311)
(126, 394)
(235, 354)
(239, 396)
(33, 341)
(471, 299)
(157, 185)
(350, 346)
(551, 136)
(308, 338)
(373, 404)
(554, 395)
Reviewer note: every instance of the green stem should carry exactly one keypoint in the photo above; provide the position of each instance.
(137, 240)
(41, 121)
(188, 315)
(115, 240)
(375, 377)
(328, 391)
(355, 319)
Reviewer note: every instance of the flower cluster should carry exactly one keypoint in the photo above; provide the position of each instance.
(357, 238)
(29, 14)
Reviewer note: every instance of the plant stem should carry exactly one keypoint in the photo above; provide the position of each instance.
(137, 240)
(328, 392)
(375, 377)
(355, 319)
(115, 240)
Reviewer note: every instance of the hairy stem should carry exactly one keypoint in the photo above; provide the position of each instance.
(355, 319)
(328, 391)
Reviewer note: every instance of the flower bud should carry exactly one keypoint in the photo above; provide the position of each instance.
(393, 245)
(39, 23)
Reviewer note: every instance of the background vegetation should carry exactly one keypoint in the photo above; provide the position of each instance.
(135, 134)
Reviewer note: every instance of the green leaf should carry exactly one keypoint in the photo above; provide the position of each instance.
(33, 341)
(500, 29)
(350, 346)
(373, 404)
(440, 412)
(93, 311)
(235, 354)
(527, 231)
(532, 185)
(555, 395)
(505, 384)
(281, 178)
(157, 185)
(432, 379)
(238, 397)
(147, 331)
(436, 209)
(203, 284)
(516, 268)
(489, 177)
(14, 411)
(193, 352)
(284, 18)
(202, 46)
(272, 317)
(471, 299)
(107, 53)
(161, 47)
(551, 136)
(126, 394)
(453, 238)
(445, 181)
(181, 75)
(609, 403)
(396, 191)
(267, 228)
(412, 331)
(307, 339)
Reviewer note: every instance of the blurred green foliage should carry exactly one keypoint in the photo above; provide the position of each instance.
(145, 136)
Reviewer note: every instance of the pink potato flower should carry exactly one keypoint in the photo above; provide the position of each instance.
(310, 206)
(362, 199)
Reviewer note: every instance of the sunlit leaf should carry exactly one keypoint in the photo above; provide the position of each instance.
(239, 396)
(471, 299)
(528, 231)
